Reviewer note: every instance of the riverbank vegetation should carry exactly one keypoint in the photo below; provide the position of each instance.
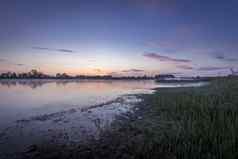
(34, 74)
(173, 123)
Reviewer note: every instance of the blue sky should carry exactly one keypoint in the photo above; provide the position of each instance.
(120, 37)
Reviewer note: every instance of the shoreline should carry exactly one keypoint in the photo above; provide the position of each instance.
(55, 149)
(171, 123)
(91, 120)
(121, 120)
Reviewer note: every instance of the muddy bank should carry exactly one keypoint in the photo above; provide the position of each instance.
(101, 144)
(64, 128)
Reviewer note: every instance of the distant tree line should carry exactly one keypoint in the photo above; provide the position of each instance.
(31, 74)
(34, 74)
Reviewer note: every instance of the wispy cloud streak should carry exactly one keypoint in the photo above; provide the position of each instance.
(185, 67)
(222, 57)
(132, 70)
(53, 49)
(10, 62)
(165, 58)
(129, 71)
(19, 64)
(211, 68)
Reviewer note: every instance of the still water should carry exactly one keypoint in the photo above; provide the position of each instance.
(24, 98)
(36, 111)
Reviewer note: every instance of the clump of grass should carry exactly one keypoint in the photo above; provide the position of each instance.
(177, 123)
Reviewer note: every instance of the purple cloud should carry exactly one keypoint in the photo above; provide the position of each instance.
(52, 49)
(165, 58)
(10, 62)
(185, 67)
(211, 68)
(114, 74)
(132, 70)
(222, 57)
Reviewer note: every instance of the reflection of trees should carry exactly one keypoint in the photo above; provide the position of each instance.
(29, 83)
(34, 83)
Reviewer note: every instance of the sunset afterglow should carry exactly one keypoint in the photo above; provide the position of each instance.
(118, 37)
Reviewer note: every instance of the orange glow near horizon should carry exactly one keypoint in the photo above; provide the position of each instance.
(75, 71)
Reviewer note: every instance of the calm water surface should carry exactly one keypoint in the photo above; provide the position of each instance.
(45, 111)
(24, 98)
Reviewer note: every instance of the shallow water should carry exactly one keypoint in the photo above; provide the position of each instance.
(33, 111)
(24, 98)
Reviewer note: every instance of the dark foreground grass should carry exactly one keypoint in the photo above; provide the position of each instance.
(181, 123)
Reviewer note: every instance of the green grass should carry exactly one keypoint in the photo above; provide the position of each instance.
(177, 123)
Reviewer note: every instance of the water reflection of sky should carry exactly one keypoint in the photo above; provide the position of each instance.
(23, 98)
(35, 111)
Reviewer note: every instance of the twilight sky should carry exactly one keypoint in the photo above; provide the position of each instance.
(119, 37)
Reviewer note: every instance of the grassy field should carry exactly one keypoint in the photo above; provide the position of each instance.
(173, 123)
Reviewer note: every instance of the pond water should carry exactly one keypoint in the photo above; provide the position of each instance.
(22, 99)
(39, 110)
